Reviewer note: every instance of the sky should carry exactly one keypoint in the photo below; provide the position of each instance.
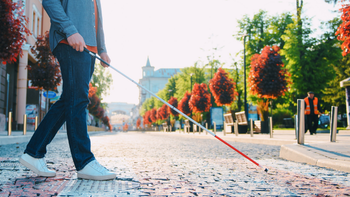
(176, 34)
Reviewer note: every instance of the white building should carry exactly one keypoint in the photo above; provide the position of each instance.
(120, 113)
(154, 80)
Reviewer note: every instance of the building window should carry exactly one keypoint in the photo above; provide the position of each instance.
(36, 22)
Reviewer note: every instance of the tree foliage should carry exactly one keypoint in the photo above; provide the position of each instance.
(222, 88)
(262, 30)
(13, 30)
(153, 115)
(147, 118)
(45, 73)
(173, 102)
(200, 98)
(138, 123)
(95, 108)
(309, 63)
(183, 82)
(334, 95)
(343, 31)
(184, 104)
(163, 112)
(267, 78)
(236, 74)
(102, 80)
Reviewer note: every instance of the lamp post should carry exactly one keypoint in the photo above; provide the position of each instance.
(245, 79)
(191, 81)
(191, 110)
(169, 113)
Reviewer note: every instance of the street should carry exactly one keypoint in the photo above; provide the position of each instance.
(171, 164)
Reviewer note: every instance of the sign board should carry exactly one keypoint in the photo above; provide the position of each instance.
(252, 112)
(50, 94)
(31, 111)
(217, 116)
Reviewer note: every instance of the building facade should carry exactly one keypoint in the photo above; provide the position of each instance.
(154, 80)
(120, 114)
(14, 92)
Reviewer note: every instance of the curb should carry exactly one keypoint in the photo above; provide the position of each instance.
(18, 138)
(14, 139)
(299, 153)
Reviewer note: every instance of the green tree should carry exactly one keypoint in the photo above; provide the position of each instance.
(101, 79)
(263, 30)
(311, 62)
(170, 87)
(236, 74)
(183, 82)
(334, 95)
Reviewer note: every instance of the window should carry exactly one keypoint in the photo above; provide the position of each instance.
(36, 22)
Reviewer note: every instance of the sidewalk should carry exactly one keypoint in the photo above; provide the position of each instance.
(17, 137)
(317, 150)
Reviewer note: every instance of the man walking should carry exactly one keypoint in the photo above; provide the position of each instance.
(75, 25)
(312, 110)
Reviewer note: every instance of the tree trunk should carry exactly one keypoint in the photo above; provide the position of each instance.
(265, 126)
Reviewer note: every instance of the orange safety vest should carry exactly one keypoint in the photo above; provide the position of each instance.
(308, 109)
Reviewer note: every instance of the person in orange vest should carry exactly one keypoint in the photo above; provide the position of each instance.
(312, 110)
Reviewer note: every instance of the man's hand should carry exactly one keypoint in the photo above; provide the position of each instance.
(105, 57)
(77, 42)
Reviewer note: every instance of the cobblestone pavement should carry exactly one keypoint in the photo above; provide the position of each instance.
(171, 164)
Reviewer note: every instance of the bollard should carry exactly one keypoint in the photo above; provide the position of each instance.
(301, 121)
(24, 124)
(9, 128)
(235, 127)
(271, 127)
(333, 126)
(214, 128)
(206, 126)
(224, 131)
(251, 127)
(194, 128)
(36, 123)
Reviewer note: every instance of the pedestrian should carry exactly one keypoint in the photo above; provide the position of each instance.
(75, 25)
(312, 111)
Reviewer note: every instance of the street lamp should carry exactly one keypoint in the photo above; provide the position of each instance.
(191, 81)
(169, 123)
(245, 79)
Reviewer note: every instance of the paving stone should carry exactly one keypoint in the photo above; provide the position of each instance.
(169, 165)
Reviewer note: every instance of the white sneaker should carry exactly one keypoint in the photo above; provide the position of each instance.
(36, 165)
(95, 171)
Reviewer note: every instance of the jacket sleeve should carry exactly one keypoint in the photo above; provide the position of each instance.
(101, 46)
(58, 16)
